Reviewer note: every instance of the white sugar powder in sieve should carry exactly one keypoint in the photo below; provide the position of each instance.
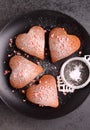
(76, 73)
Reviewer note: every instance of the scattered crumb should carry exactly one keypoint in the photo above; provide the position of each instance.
(80, 52)
(18, 53)
(55, 67)
(24, 100)
(23, 91)
(6, 72)
(13, 91)
(27, 56)
(38, 62)
(15, 51)
(9, 55)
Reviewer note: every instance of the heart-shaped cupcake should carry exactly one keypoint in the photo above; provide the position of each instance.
(45, 93)
(32, 42)
(23, 71)
(62, 44)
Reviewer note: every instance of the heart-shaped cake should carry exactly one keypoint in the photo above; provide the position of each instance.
(45, 93)
(32, 42)
(23, 71)
(62, 44)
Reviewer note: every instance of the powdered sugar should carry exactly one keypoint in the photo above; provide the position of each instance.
(76, 73)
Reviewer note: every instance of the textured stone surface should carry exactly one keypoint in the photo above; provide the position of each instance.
(78, 119)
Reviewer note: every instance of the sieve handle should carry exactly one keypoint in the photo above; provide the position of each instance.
(87, 58)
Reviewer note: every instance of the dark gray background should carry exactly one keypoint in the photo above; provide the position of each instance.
(78, 119)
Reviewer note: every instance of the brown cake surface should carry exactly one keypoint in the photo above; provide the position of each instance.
(62, 44)
(32, 42)
(23, 71)
(45, 93)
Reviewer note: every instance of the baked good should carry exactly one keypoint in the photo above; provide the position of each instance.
(45, 93)
(23, 71)
(32, 42)
(62, 44)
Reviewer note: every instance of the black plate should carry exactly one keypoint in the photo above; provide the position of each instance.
(48, 20)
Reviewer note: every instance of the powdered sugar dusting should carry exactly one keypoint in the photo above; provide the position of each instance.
(76, 73)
